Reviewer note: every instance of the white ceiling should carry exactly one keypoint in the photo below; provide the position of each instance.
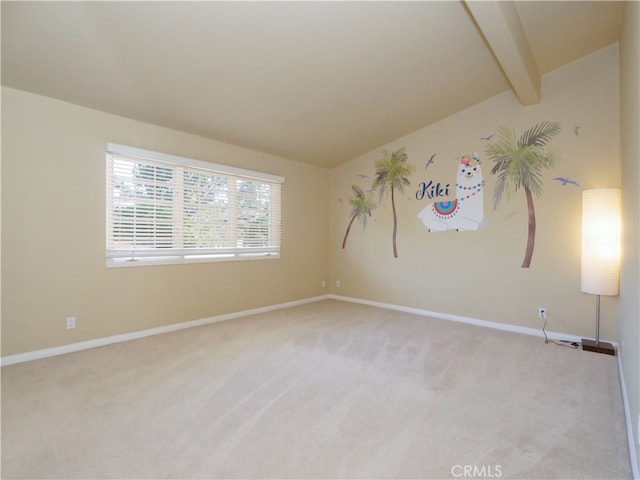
(317, 82)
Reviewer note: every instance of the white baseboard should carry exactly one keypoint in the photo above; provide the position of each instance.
(101, 342)
(627, 415)
(458, 318)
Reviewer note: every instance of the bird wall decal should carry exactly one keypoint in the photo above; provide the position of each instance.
(430, 161)
(566, 181)
(488, 137)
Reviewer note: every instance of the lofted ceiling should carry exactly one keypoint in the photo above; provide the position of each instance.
(317, 82)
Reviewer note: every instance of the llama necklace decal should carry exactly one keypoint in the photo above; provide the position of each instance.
(466, 211)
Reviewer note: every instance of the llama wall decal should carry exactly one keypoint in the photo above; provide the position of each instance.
(466, 212)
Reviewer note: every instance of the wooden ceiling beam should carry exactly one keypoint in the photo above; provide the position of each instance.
(500, 25)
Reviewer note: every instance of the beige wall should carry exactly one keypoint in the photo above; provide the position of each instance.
(53, 232)
(630, 151)
(478, 274)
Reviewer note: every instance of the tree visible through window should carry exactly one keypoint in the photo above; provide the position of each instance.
(161, 207)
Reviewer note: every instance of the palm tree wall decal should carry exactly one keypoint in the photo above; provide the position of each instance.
(361, 207)
(519, 164)
(392, 173)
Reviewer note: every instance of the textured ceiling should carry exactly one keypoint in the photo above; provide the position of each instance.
(317, 82)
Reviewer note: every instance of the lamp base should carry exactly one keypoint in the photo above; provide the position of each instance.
(601, 347)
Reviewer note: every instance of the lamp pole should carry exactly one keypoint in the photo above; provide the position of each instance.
(597, 320)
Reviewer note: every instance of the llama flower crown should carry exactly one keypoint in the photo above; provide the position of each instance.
(470, 161)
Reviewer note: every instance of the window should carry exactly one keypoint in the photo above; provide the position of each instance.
(167, 209)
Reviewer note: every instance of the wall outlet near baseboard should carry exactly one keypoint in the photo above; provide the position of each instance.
(542, 313)
(324, 284)
(338, 284)
(71, 323)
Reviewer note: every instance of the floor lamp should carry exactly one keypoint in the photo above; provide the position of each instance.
(600, 253)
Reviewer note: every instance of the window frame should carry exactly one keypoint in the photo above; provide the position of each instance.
(128, 257)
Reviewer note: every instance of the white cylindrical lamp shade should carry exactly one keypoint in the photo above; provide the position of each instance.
(600, 241)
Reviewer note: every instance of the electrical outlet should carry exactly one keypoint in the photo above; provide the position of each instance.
(542, 313)
(324, 284)
(71, 323)
(337, 283)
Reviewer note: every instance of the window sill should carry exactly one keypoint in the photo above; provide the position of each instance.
(188, 259)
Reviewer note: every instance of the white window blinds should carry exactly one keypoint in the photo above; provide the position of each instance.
(166, 208)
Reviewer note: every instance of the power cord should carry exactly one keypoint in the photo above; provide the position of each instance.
(566, 343)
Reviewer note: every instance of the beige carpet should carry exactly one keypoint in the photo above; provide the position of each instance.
(324, 390)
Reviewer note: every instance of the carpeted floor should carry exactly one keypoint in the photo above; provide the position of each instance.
(323, 390)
